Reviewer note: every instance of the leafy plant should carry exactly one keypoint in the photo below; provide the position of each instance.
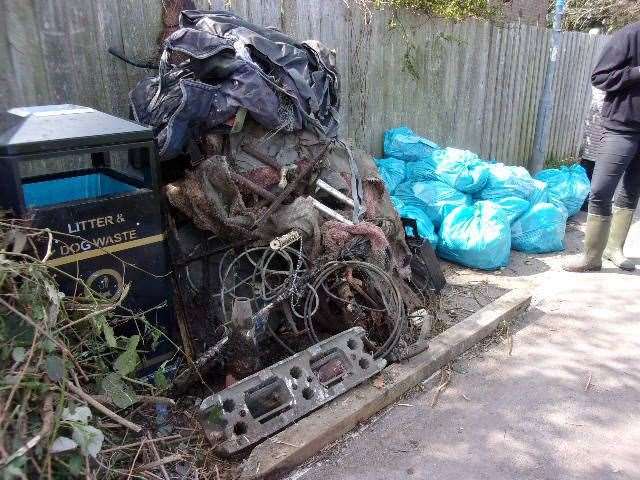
(52, 347)
(452, 9)
(607, 15)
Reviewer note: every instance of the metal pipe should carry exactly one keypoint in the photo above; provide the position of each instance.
(330, 212)
(543, 121)
(263, 157)
(257, 189)
(334, 192)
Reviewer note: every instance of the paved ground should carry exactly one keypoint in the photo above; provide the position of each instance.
(563, 405)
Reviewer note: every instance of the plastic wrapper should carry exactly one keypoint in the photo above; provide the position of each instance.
(476, 236)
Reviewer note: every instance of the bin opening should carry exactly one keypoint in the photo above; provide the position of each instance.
(42, 193)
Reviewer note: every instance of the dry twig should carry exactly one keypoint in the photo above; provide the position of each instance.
(98, 406)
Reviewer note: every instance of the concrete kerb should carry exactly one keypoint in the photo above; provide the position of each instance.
(299, 442)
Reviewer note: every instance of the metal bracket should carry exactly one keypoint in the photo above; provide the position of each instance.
(266, 402)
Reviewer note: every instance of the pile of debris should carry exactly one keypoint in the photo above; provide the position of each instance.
(76, 400)
(283, 237)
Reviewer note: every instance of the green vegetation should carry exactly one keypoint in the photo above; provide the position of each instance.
(451, 9)
(609, 15)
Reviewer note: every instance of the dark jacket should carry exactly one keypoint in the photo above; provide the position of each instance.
(618, 74)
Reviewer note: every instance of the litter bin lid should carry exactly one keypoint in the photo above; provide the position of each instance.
(26, 130)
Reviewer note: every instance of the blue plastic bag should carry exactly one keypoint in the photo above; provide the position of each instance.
(540, 230)
(461, 169)
(540, 193)
(391, 171)
(507, 181)
(513, 207)
(567, 186)
(415, 209)
(421, 170)
(440, 199)
(477, 236)
(404, 144)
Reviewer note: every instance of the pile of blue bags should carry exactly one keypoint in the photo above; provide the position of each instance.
(475, 212)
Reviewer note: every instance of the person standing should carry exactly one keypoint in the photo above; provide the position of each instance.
(617, 169)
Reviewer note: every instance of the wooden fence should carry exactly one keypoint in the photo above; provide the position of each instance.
(472, 85)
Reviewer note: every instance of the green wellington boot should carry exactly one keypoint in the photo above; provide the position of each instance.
(595, 241)
(620, 225)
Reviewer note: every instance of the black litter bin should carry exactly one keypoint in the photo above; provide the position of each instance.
(109, 223)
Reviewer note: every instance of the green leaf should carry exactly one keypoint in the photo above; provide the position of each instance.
(107, 330)
(49, 345)
(18, 354)
(76, 465)
(129, 359)
(119, 392)
(89, 438)
(160, 379)
(55, 368)
(99, 321)
(14, 469)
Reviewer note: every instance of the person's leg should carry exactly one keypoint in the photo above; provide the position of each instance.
(626, 201)
(617, 151)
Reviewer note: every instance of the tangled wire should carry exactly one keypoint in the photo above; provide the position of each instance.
(373, 296)
(364, 293)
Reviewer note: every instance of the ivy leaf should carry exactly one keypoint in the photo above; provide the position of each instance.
(62, 444)
(107, 330)
(118, 392)
(129, 359)
(88, 438)
(55, 368)
(77, 414)
(18, 354)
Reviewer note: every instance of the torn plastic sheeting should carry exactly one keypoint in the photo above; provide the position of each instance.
(298, 87)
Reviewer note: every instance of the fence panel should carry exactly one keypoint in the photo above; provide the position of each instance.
(472, 85)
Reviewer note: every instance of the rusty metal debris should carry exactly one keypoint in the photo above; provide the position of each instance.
(266, 402)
